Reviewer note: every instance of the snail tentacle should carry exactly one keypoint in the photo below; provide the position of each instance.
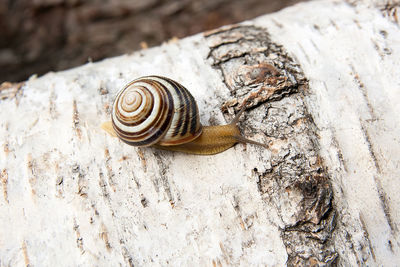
(240, 138)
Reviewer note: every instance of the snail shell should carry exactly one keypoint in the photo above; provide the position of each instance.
(155, 110)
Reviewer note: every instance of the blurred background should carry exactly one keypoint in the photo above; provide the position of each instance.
(38, 36)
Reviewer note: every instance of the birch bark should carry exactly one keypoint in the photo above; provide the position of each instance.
(321, 80)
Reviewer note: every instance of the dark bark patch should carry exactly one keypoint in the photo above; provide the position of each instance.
(261, 74)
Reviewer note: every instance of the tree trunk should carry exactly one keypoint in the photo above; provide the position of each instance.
(321, 85)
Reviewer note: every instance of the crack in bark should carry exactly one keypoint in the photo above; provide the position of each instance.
(4, 181)
(273, 87)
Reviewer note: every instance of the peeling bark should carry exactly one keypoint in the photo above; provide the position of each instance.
(319, 82)
(259, 71)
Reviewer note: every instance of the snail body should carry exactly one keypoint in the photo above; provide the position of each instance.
(160, 112)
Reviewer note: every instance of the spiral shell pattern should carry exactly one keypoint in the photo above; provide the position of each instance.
(155, 110)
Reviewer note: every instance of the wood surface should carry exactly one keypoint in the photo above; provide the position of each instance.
(321, 81)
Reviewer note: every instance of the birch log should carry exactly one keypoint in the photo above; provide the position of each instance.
(322, 84)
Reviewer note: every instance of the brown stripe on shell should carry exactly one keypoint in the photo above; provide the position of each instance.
(140, 141)
(154, 131)
(136, 120)
(190, 114)
(188, 127)
(191, 123)
(181, 132)
(182, 107)
(157, 129)
(195, 120)
(187, 116)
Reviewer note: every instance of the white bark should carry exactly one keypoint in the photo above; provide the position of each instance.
(323, 80)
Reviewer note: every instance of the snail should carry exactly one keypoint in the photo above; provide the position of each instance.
(157, 111)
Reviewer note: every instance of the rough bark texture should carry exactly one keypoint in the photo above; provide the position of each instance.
(260, 72)
(321, 85)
